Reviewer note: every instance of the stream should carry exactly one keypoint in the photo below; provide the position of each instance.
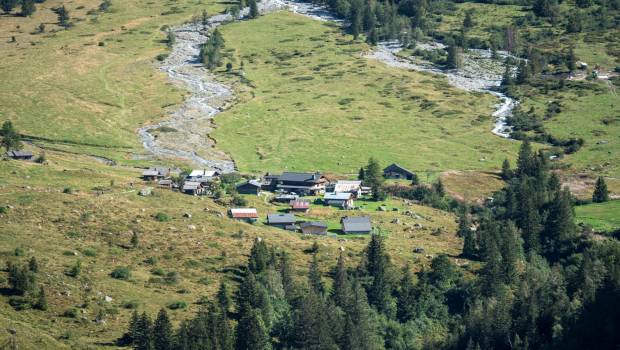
(184, 134)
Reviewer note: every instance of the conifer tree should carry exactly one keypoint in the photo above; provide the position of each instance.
(182, 337)
(439, 188)
(377, 266)
(560, 227)
(133, 325)
(314, 277)
(143, 338)
(372, 174)
(360, 174)
(224, 300)
(286, 273)
(63, 16)
(600, 194)
(341, 287)
(406, 297)
(455, 57)
(162, 332)
(33, 265)
(364, 333)
(135, 241)
(506, 171)
(28, 8)
(251, 332)
(525, 162)
(254, 13)
(259, 257)
(311, 327)
(8, 5)
(41, 302)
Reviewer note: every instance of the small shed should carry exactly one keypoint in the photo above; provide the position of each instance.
(396, 171)
(192, 187)
(356, 224)
(249, 187)
(314, 228)
(281, 220)
(285, 198)
(244, 214)
(300, 205)
(20, 155)
(340, 200)
(166, 183)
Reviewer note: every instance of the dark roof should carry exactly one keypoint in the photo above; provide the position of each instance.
(356, 224)
(19, 154)
(281, 218)
(300, 177)
(397, 167)
(254, 183)
(313, 224)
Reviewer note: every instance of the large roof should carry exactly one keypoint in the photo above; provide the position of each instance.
(300, 177)
(313, 224)
(347, 185)
(281, 218)
(203, 173)
(19, 153)
(398, 167)
(331, 196)
(244, 213)
(356, 224)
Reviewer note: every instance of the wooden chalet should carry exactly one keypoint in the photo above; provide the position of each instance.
(20, 155)
(301, 183)
(284, 221)
(300, 205)
(395, 171)
(249, 187)
(340, 200)
(313, 228)
(356, 224)
(249, 215)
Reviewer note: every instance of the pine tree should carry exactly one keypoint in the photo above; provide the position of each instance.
(143, 339)
(314, 277)
(28, 8)
(10, 138)
(63, 16)
(33, 265)
(506, 171)
(259, 257)
(251, 332)
(133, 325)
(406, 297)
(162, 332)
(600, 194)
(8, 5)
(223, 297)
(41, 302)
(455, 57)
(526, 159)
(182, 337)
(523, 73)
(341, 287)
(311, 327)
(507, 76)
(438, 188)
(254, 13)
(468, 22)
(364, 333)
(377, 266)
(560, 227)
(286, 273)
(360, 174)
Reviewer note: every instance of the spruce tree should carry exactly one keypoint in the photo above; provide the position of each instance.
(41, 301)
(133, 326)
(455, 57)
(373, 176)
(182, 337)
(377, 267)
(439, 188)
(251, 332)
(259, 257)
(33, 265)
(506, 171)
(143, 338)
(8, 5)
(360, 174)
(28, 8)
(162, 332)
(10, 138)
(254, 13)
(600, 194)
(312, 329)
(314, 277)
(341, 287)
(525, 162)
(286, 273)
(364, 333)
(560, 228)
(63, 16)
(406, 297)
(224, 300)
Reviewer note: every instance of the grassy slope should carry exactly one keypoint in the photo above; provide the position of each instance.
(59, 228)
(62, 86)
(317, 105)
(601, 216)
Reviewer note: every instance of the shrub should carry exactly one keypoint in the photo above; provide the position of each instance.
(90, 252)
(20, 303)
(19, 251)
(131, 304)
(177, 305)
(70, 313)
(121, 273)
(162, 217)
(67, 190)
(158, 271)
(151, 260)
(4, 210)
(172, 277)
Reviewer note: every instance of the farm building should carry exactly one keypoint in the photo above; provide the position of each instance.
(193, 188)
(202, 175)
(356, 224)
(166, 183)
(340, 200)
(20, 155)
(269, 182)
(395, 171)
(348, 186)
(244, 214)
(313, 228)
(249, 187)
(302, 183)
(285, 221)
(158, 173)
(284, 198)
(300, 205)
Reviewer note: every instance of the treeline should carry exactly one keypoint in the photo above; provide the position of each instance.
(541, 284)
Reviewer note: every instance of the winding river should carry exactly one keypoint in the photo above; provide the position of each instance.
(185, 133)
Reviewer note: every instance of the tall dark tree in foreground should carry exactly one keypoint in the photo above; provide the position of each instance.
(28, 8)
(254, 13)
(600, 191)
(10, 138)
(8, 5)
(377, 268)
(251, 331)
(162, 332)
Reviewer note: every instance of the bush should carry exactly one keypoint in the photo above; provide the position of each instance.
(131, 304)
(162, 217)
(19, 252)
(90, 252)
(177, 305)
(172, 277)
(70, 313)
(151, 260)
(20, 303)
(158, 271)
(67, 190)
(121, 273)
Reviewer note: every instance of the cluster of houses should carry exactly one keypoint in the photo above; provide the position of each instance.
(289, 187)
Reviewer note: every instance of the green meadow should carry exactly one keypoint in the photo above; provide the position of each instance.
(311, 102)
(604, 217)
